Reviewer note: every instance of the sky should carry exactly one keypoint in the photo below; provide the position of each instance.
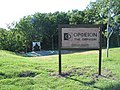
(13, 10)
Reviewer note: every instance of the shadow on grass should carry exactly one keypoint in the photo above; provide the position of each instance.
(92, 82)
(115, 87)
(110, 87)
(79, 72)
(108, 60)
(93, 77)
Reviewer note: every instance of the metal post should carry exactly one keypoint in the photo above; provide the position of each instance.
(100, 55)
(100, 51)
(59, 44)
(59, 62)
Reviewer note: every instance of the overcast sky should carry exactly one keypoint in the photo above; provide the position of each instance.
(13, 10)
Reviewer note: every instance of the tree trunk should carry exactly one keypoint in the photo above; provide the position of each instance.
(52, 43)
(118, 40)
(107, 49)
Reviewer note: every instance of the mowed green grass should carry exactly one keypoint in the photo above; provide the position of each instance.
(80, 71)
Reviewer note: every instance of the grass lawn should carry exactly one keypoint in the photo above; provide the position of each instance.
(80, 71)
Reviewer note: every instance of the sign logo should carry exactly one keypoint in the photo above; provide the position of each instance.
(67, 36)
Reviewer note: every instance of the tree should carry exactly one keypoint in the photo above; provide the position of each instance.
(104, 12)
(75, 17)
(3, 38)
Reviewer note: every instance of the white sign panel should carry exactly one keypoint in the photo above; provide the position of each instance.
(86, 38)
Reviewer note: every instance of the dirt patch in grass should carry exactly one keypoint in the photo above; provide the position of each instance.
(89, 52)
(73, 72)
(27, 74)
(106, 73)
(44, 57)
(87, 71)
